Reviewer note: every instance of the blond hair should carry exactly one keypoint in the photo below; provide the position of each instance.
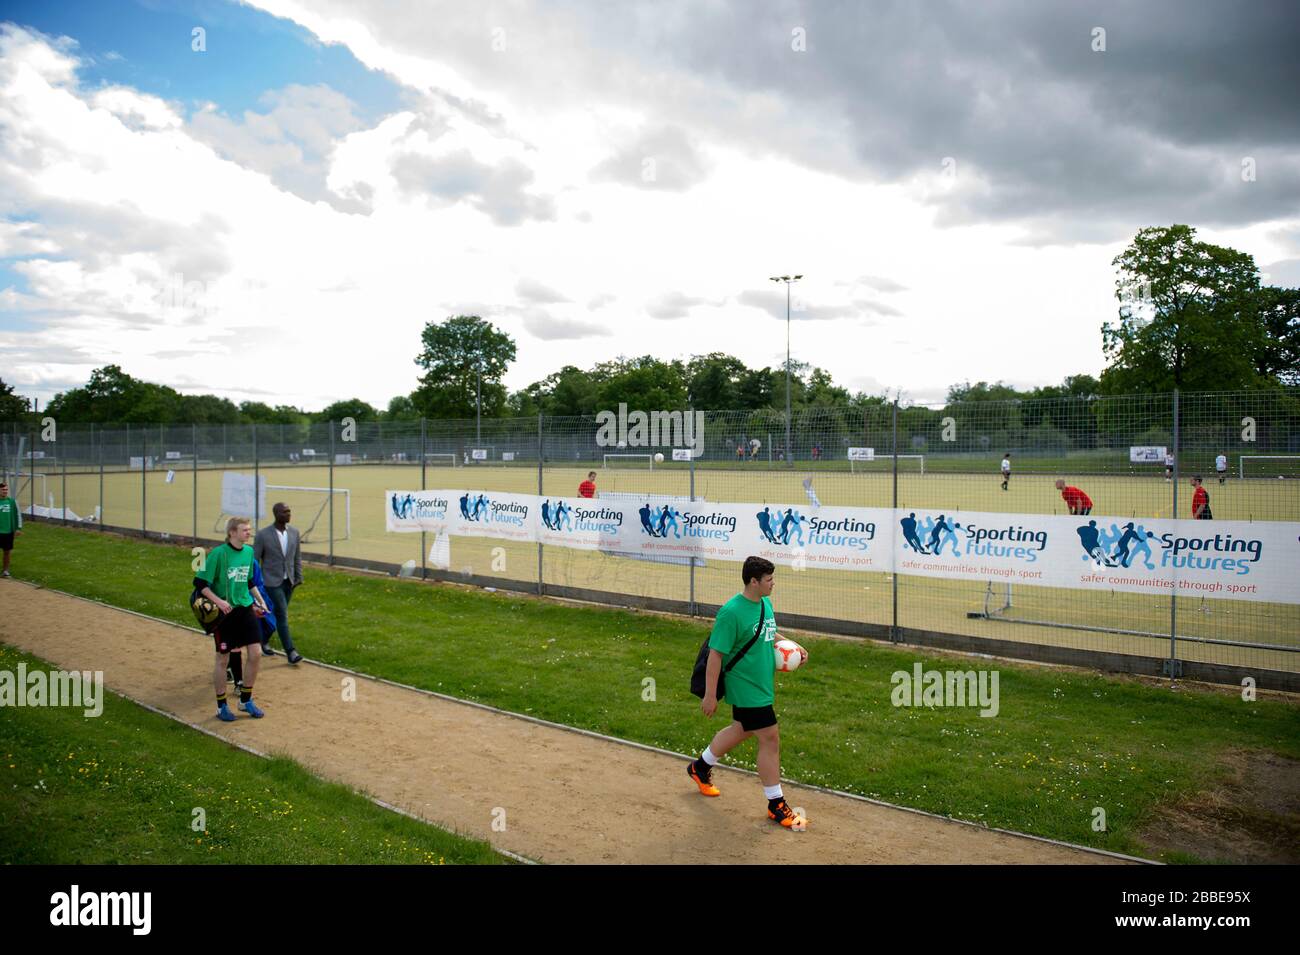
(233, 524)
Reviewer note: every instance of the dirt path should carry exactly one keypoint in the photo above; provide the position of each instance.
(566, 797)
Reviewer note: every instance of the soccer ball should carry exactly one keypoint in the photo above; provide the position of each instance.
(789, 655)
(659, 458)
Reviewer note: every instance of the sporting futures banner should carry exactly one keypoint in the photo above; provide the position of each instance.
(1233, 559)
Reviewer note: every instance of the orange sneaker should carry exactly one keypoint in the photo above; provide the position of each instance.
(705, 782)
(781, 812)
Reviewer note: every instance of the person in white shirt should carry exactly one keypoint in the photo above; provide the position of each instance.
(1221, 466)
(1006, 469)
(1169, 466)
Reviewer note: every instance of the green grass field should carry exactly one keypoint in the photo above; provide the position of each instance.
(1062, 743)
(122, 788)
(927, 604)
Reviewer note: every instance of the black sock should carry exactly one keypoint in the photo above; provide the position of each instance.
(221, 700)
(237, 667)
(245, 694)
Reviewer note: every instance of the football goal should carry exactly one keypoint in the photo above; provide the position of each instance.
(636, 461)
(907, 463)
(442, 459)
(1269, 465)
(310, 507)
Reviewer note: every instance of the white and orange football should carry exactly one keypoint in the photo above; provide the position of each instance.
(789, 655)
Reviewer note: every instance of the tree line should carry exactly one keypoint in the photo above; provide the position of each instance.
(1191, 315)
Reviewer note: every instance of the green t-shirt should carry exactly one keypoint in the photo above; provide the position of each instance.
(11, 518)
(750, 682)
(227, 572)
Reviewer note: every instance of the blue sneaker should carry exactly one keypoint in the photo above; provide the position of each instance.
(224, 714)
(252, 709)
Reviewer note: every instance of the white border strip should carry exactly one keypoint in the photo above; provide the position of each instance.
(611, 739)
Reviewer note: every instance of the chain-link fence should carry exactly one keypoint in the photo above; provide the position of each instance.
(1131, 457)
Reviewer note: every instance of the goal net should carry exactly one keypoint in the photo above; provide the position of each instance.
(1269, 466)
(310, 507)
(442, 459)
(907, 464)
(625, 461)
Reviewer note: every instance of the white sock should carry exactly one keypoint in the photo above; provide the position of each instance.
(708, 756)
(773, 792)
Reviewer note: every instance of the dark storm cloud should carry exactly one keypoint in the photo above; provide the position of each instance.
(1074, 143)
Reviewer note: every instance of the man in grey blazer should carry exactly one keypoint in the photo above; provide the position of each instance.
(276, 549)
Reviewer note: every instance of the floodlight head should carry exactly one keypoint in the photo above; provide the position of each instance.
(798, 277)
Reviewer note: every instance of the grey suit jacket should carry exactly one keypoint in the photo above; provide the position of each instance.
(277, 565)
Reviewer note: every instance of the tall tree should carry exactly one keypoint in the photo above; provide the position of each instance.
(643, 384)
(1188, 316)
(12, 405)
(714, 381)
(353, 408)
(1279, 314)
(453, 355)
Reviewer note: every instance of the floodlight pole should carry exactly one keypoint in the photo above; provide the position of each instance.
(788, 280)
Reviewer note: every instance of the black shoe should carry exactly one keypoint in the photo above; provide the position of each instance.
(295, 658)
(267, 651)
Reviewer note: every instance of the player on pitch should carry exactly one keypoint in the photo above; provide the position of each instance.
(1078, 502)
(224, 579)
(750, 689)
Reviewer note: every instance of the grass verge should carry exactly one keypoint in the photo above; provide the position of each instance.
(1062, 744)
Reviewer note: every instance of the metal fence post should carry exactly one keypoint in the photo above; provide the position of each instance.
(31, 470)
(63, 493)
(257, 481)
(1172, 667)
(194, 466)
(144, 482)
(894, 633)
(540, 446)
(424, 551)
(101, 479)
(691, 412)
(331, 470)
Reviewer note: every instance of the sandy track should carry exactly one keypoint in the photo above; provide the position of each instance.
(568, 798)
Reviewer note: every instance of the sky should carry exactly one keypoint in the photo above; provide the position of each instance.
(268, 200)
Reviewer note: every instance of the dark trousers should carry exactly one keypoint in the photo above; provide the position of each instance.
(280, 597)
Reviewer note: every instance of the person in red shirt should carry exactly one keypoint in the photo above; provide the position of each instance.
(1200, 501)
(1075, 499)
(588, 487)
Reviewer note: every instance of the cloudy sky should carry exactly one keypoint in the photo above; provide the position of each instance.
(269, 199)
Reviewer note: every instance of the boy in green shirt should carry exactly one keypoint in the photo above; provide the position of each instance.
(750, 688)
(224, 579)
(11, 523)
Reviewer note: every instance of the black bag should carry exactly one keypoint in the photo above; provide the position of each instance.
(702, 659)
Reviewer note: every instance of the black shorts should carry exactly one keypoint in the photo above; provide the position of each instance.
(1082, 511)
(7, 541)
(753, 718)
(239, 628)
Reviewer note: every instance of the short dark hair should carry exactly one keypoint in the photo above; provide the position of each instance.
(1196, 477)
(591, 474)
(755, 569)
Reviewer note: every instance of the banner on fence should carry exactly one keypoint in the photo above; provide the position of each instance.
(1146, 454)
(1231, 559)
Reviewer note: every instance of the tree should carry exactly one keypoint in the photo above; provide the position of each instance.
(353, 408)
(12, 406)
(1196, 322)
(1279, 314)
(453, 355)
(643, 384)
(714, 381)
(402, 408)
(207, 409)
